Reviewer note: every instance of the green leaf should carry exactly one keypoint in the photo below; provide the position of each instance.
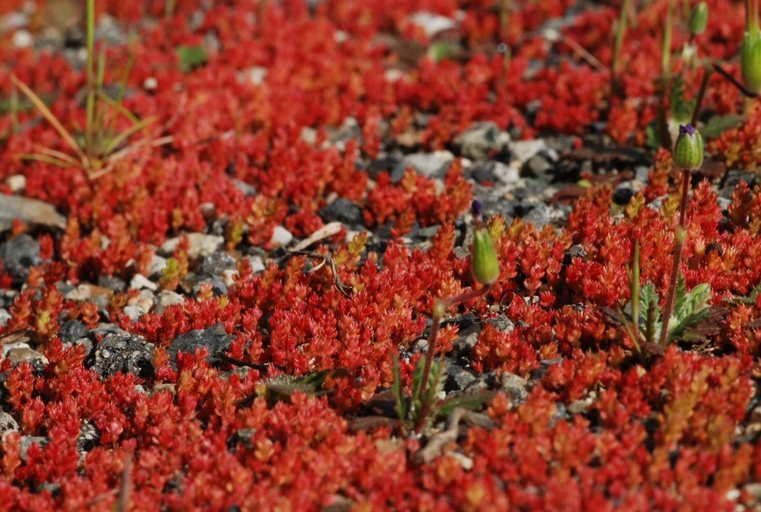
(473, 401)
(396, 390)
(651, 136)
(191, 57)
(690, 309)
(442, 50)
(719, 124)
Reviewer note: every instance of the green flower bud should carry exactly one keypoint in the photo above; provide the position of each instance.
(688, 150)
(750, 60)
(698, 19)
(485, 262)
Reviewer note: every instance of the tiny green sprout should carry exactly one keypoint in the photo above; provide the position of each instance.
(485, 265)
(688, 150)
(698, 19)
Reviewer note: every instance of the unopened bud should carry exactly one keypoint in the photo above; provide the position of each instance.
(485, 263)
(698, 19)
(688, 150)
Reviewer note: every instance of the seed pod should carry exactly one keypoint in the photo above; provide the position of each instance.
(485, 264)
(698, 19)
(750, 60)
(688, 150)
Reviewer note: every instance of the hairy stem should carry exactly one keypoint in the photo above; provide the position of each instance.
(701, 94)
(677, 256)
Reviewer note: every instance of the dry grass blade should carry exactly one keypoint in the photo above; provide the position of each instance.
(52, 119)
(116, 141)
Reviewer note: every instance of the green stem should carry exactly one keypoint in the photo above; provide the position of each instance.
(701, 94)
(91, 78)
(751, 15)
(14, 107)
(635, 290)
(618, 42)
(677, 256)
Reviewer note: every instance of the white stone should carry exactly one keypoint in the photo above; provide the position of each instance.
(22, 39)
(16, 183)
(432, 23)
(139, 282)
(201, 244)
(281, 236)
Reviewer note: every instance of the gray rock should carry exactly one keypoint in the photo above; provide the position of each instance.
(431, 23)
(257, 264)
(515, 387)
(140, 282)
(144, 301)
(26, 442)
(4, 317)
(481, 141)
(122, 352)
(468, 337)
(31, 211)
(133, 312)
(19, 353)
(502, 322)
(216, 264)
(18, 255)
(641, 173)
(201, 244)
(734, 177)
(544, 367)
(156, 265)
(72, 330)
(348, 130)
(281, 237)
(386, 163)
(538, 166)
(7, 424)
(166, 299)
(522, 150)
(458, 378)
(430, 165)
(214, 339)
(543, 214)
(88, 437)
(85, 342)
(247, 189)
(342, 210)
(112, 283)
(496, 172)
(218, 286)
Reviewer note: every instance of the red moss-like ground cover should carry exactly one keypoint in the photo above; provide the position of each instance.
(676, 432)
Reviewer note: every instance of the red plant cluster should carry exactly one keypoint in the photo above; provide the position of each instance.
(600, 429)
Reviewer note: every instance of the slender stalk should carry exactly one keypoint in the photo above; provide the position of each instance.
(14, 109)
(679, 244)
(701, 94)
(618, 42)
(91, 78)
(751, 15)
(740, 87)
(635, 290)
